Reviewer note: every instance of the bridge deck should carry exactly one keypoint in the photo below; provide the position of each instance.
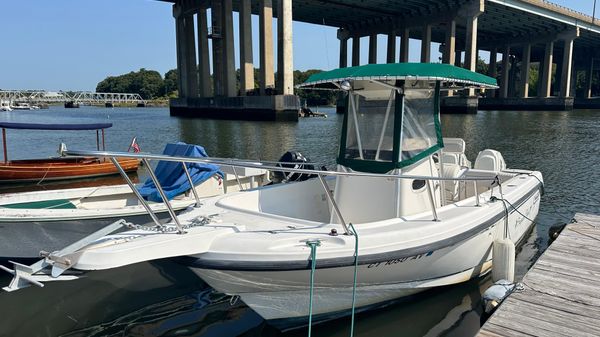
(561, 295)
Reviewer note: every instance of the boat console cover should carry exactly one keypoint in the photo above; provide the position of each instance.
(171, 175)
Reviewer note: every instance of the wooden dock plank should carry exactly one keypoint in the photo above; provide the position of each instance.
(560, 295)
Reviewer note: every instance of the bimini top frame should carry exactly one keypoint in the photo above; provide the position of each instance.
(392, 110)
(450, 77)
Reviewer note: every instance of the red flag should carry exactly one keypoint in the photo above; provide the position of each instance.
(134, 145)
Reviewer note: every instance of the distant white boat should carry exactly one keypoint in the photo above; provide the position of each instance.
(5, 106)
(21, 106)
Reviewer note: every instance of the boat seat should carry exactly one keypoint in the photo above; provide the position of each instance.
(454, 145)
(451, 187)
(490, 160)
(454, 152)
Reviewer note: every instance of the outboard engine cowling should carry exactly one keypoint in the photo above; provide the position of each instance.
(296, 160)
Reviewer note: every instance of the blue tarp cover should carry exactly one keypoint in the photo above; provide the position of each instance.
(37, 126)
(171, 175)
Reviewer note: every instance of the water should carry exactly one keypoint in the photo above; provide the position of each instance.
(166, 299)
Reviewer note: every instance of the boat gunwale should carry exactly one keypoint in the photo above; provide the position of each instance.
(197, 261)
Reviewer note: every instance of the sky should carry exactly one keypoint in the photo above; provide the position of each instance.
(74, 44)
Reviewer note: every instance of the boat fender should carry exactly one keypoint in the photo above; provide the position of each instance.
(495, 294)
(296, 160)
(555, 231)
(503, 260)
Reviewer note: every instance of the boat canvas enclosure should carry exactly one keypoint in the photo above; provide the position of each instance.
(392, 110)
(391, 126)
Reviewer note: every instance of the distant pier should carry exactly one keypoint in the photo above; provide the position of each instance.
(561, 294)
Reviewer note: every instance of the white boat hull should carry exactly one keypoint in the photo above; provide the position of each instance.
(51, 229)
(285, 294)
(245, 245)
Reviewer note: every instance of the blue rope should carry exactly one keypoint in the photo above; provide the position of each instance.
(313, 260)
(355, 233)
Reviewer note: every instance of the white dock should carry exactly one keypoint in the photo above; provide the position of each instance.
(561, 295)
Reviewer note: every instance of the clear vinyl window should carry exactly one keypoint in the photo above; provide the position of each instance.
(370, 133)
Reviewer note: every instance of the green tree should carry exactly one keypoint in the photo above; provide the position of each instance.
(170, 83)
(313, 97)
(148, 83)
(481, 67)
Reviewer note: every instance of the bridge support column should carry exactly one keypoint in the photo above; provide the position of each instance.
(448, 56)
(426, 44)
(190, 56)
(218, 49)
(525, 65)
(186, 53)
(285, 61)
(267, 76)
(449, 47)
(373, 49)
(588, 78)
(505, 72)
(343, 50)
(229, 52)
(567, 63)
(512, 78)
(404, 40)
(355, 50)
(545, 83)
(203, 59)
(473, 11)
(179, 39)
(493, 70)
(246, 58)
(391, 47)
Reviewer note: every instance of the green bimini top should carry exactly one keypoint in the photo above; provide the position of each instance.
(449, 75)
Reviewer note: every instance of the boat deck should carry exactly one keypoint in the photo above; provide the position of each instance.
(560, 296)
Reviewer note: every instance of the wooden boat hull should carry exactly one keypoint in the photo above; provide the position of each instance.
(61, 168)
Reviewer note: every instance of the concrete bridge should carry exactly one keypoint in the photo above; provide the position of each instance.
(519, 32)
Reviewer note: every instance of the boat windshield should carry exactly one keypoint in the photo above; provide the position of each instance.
(419, 125)
(370, 130)
(388, 126)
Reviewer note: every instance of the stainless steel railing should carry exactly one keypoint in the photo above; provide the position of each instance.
(264, 165)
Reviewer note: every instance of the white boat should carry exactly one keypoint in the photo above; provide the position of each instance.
(50, 220)
(400, 215)
(5, 105)
(21, 106)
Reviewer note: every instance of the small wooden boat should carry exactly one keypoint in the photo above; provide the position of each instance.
(35, 170)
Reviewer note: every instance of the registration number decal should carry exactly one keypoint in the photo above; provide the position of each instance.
(400, 260)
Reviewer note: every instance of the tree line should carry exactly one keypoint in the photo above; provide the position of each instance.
(150, 84)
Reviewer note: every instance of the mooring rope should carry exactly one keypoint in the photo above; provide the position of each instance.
(313, 244)
(355, 233)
